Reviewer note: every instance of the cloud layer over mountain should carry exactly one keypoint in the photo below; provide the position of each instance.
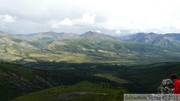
(109, 16)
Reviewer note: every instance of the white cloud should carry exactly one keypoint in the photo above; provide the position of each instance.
(67, 22)
(98, 31)
(7, 18)
(118, 32)
(86, 20)
(141, 15)
(105, 15)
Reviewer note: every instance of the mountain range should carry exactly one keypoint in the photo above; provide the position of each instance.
(95, 61)
(171, 40)
(89, 47)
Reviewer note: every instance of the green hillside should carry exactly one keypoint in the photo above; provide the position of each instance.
(16, 80)
(91, 47)
(114, 51)
(148, 77)
(107, 79)
(83, 91)
(64, 60)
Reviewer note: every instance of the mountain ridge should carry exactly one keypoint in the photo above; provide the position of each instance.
(89, 47)
(162, 40)
(96, 35)
(50, 35)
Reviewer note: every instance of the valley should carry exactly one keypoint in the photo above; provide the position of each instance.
(89, 50)
(51, 66)
(88, 78)
(90, 47)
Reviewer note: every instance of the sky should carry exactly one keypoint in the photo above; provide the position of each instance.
(115, 17)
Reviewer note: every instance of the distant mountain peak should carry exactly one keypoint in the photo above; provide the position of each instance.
(49, 32)
(96, 35)
(142, 33)
(55, 33)
(91, 33)
(151, 33)
(51, 35)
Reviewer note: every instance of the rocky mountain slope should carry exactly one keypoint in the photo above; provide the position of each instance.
(89, 47)
(170, 40)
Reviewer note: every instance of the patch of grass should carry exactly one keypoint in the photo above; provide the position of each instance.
(112, 78)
